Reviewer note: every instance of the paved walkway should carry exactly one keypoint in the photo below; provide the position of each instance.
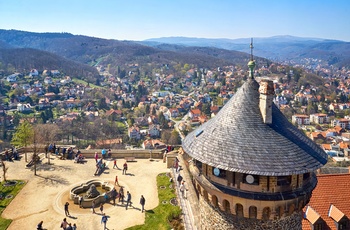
(44, 195)
(189, 203)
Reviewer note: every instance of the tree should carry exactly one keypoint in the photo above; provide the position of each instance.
(23, 136)
(45, 134)
(101, 103)
(175, 138)
(4, 169)
(147, 109)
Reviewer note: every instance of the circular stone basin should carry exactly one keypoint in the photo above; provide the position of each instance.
(173, 201)
(10, 183)
(8, 196)
(162, 187)
(164, 202)
(80, 190)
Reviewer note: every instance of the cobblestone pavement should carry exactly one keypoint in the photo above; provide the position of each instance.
(44, 195)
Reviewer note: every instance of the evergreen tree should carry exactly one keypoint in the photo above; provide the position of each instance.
(23, 136)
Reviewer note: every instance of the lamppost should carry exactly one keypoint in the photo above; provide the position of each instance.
(150, 155)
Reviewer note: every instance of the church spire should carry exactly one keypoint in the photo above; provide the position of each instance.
(251, 63)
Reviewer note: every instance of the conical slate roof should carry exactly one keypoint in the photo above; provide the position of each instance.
(238, 140)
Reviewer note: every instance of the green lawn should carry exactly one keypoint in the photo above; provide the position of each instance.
(6, 191)
(164, 214)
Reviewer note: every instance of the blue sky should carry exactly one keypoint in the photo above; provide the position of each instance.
(142, 19)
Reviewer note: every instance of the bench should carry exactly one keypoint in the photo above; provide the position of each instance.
(128, 159)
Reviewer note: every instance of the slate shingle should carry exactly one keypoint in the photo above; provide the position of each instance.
(236, 139)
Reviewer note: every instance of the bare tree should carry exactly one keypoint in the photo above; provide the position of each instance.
(4, 169)
(44, 134)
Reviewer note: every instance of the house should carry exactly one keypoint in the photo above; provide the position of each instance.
(173, 112)
(48, 80)
(55, 72)
(43, 103)
(342, 122)
(24, 107)
(301, 119)
(153, 144)
(72, 102)
(329, 207)
(194, 114)
(154, 130)
(134, 132)
(319, 118)
(202, 119)
(141, 121)
(33, 73)
(114, 114)
(12, 77)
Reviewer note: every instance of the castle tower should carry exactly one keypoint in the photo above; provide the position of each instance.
(251, 167)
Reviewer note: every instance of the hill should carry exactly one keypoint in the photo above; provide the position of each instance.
(25, 59)
(280, 48)
(94, 51)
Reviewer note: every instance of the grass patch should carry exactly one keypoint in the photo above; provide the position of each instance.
(160, 217)
(12, 190)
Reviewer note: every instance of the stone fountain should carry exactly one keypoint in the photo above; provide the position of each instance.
(90, 192)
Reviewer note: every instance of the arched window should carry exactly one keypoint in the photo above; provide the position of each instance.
(199, 189)
(214, 200)
(226, 206)
(239, 210)
(266, 213)
(291, 209)
(205, 194)
(253, 212)
(279, 212)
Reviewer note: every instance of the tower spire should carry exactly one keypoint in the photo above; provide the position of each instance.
(251, 63)
(251, 49)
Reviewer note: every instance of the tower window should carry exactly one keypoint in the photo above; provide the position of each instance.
(306, 176)
(219, 173)
(251, 179)
(284, 180)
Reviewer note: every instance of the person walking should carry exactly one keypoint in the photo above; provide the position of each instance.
(121, 194)
(64, 224)
(69, 227)
(115, 164)
(113, 195)
(93, 207)
(104, 220)
(116, 180)
(183, 189)
(80, 201)
(142, 202)
(40, 225)
(128, 200)
(125, 168)
(96, 157)
(101, 208)
(66, 211)
(179, 179)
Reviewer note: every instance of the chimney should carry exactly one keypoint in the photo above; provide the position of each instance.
(267, 93)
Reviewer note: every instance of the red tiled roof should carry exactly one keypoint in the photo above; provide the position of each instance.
(330, 190)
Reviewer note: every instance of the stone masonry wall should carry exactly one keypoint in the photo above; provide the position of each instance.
(214, 218)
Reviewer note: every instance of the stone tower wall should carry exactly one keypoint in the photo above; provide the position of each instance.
(214, 218)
